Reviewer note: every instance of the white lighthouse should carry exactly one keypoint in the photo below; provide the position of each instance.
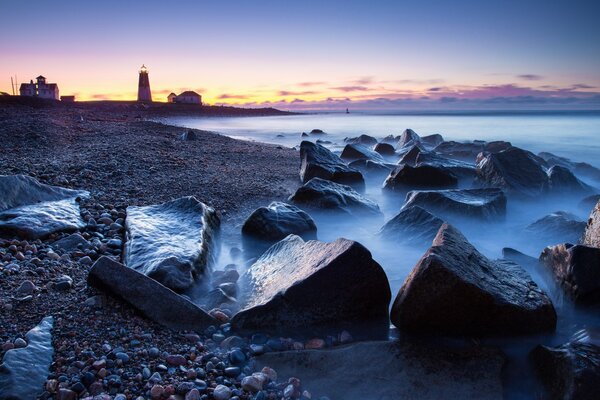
(144, 93)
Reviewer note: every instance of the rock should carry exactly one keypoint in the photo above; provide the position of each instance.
(372, 169)
(402, 370)
(31, 210)
(517, 257)
(318, 162)
(293, 285)
(412, 225)
(173, 242)
(385, 149)
(562, 181)
(408, 137)
(317, 132)
(176, 360)
(557, 227)
(569, 371)
(188, 136)
(514, 170)
(278, 220)
(468, 151)
(591, 237)
(455, 290)
(432, 141)
(391, 139)
(26, 288)
(222, 392)
(63, 283)
(588, 203)
(326, 195)
(485, 204)
(579, 168)
(154, 300)
(405, 177)
(362, 139)
(576, 269)
(24, 371)
(421, 157)
(353, 152)
(251, 384)
(72, 243)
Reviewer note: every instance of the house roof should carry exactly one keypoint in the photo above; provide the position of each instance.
(171, 94)
(189, 93)
(41, 77)
(51, 85)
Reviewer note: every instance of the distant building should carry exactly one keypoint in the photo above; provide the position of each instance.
(40, 89)
(67, 99)
(144, 93)
(187, 97)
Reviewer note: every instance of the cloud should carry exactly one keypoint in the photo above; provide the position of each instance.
(292, 93)
(350, 88)
(308, 84)
(226, 96)
(365, 80)
(582, 86)
(435, 89)
(530, 77)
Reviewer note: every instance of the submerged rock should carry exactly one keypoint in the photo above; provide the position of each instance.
(173, 242)
(353, 152)
(570, 371)
(486, 204)
(456, 290)
(432, 141)
(591, 237)
(412, 225)
(24, 371)
(155, 301)
(405, 177)
(277, 221)
(298, 284)
(557, 227)
(391, 139)
(30, 209)
(326, 195)
(563, 182)
(409, 137)
(385, 149)
(318, 162)
(468, 151)
(317, 132)
(400, 371)
(579, 168)
(576, 269)
(372, 169)
(362, 139)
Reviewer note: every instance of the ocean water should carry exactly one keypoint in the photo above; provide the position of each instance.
(572, 135)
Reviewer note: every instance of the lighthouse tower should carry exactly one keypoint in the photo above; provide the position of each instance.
(144, 93)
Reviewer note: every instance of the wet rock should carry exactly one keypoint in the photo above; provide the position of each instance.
(72, 243)
(579, 168)
(326, 195)
(222, 392)
(353, 152)
(456, 290)
(557, 227)
(458, 168)
(588, 203)
(468, 151)
(486, 204)
(514, 170)
(403, 370)
(391, 139)
(31, 210)
(318, 162)
(173, 242)
(154, 300)
(569, 371)
(372, 169)
(362, 139)
(277, 221)
(385, 149)
(412, 225)
(408, 137)
(518, 257)
(26, 288)
(317, 132)
(405, 177)
(576, 269)
(432, 141)
(292, 285)
(188, 136)
(591, 237)
(63, 283)
(24, 371)
(563, 182)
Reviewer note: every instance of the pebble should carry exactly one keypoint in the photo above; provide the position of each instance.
(251, 384)
(222, 392)
(20, 343)
(26, 288)
(157, 391)
(315, 343)
(176, 360)
(193, 394)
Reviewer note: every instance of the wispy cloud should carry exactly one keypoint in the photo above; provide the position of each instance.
(296, 93)
(530, 77)
(226, 96)
(309, 84)
(365, 80)
(350, 88)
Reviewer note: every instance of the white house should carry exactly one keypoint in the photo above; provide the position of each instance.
(187, 97)
(40, 89)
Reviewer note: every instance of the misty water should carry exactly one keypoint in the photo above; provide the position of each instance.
(575, 136)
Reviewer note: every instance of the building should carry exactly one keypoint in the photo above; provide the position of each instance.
(39, 89)
(144, 93)
(187, 97)
(67, 99)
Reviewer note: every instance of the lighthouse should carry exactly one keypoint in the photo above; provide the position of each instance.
(144, 85)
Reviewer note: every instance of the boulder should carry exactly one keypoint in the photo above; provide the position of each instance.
(318, 162)
(24, 370)
(459, 168)
(432, 141)
(391, 139)
(579, 168)
(326, 195)
(188, 136)
(173, 242)
(154, 300)
(72, 243)
(468, 151)
(385, 149)
(31, 210)
(393, 370)
(405, 177)
(485, 204)
(297, 284)
(455, 290)
(372, 169)
(277, 221)
(408, 137)
(517, 257)
(353, 152)
(409, 153)
(562, 181)
(557, 227)
(576, 268)
(591, 237)
(317, 132)
(362, 139)
(570, 371)
(412, 225)
(514, 170)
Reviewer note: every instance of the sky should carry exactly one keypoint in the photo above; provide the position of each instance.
(303, 55)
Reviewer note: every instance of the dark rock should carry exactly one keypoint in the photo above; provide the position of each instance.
(173, 242)
(391, 139)
(292, 285)
(557, 227)
(353, 152)
(591, 237)
(412, 225)
(385, 149)
(405, 177)
(63, 283)
(317, 132)
(570, 371)
(486, 204)
(24, 371)
(72, 243)
(517, 257)
(458, 168)
(188, 136)
(468, 151)
(31, 210)
(362, 139)
(589, 202)
(154, 300)
(326, 195)
(318, 162)
(408, 137)
(432, 141)
(579, 168)
(514, 170)
(278, 220)
(455, 290)
(403, 370)
(576, 269)
(372, 169)
(562, 181)
(409, 153)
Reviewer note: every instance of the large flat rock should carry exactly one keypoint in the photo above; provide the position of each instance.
(30, 209)
(455, 290)
(591, 236)
(24, 371)
(298, 284)
(411, 225)
(405, 178)
(278, 220)
(391, 371)
(173, 242)
(155, 301)
(318, 162)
